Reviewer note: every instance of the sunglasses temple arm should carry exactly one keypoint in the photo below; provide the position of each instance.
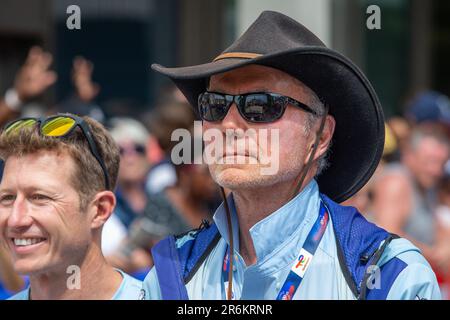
(105, 173)
(310, 160)
(96, 154)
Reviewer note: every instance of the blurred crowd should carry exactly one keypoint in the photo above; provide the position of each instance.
(409, 194)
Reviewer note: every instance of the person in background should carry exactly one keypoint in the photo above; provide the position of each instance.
(362, 200)
(162, 121)
(400, 128)
(405, 193)
(179, 197)
(132, 138)
(443, 237)
(175, 210)
(443, 209)
(429, 106)
(32, 79)
(188, 203)
(81, 102)
(392, 146)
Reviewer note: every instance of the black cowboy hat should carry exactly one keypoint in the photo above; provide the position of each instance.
(280, 42)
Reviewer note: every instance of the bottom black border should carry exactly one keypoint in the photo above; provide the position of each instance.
(150, 310)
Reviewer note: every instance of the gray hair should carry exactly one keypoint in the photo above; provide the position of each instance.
(122, 128)
(319, 107)
(427, 130)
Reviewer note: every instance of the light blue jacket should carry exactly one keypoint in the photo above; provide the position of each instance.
(354, 260)
(130, 289)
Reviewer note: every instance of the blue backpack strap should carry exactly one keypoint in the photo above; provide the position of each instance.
(194, 253)
(167, 265)
(358, 245)
(388, 273)
(176, 264)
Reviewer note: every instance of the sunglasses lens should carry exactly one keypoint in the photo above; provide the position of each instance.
(262, 107)
(212, 106)
(254, 107)
(138, 148)
(58, 126)
(20, 124)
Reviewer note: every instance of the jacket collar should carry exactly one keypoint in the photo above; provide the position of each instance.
(271, 232)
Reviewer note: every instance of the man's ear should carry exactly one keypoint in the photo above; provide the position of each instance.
(102, 206)
(327, 135)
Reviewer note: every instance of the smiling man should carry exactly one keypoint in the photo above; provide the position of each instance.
(284, 235)
(55, 196)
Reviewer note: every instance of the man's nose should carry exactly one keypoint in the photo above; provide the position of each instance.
(233, 119)
(19, 217)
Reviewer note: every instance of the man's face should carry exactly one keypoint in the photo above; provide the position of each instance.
(427, 161)
(134, 165)
(40, 218)
(294, 142)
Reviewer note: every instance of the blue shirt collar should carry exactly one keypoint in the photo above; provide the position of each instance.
(269, 233)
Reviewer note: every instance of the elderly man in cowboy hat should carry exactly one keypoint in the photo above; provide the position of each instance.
(284, 235)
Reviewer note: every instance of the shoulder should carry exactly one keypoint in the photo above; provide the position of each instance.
(200, 236)
(131, 282)
(406, 273)
(130, 288)
(189, 247)
(177, 259)
(150, 287)
(22, 295)
(415, 282)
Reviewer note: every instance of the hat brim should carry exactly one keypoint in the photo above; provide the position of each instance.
(358, 139)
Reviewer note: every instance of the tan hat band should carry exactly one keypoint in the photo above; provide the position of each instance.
(240, 55)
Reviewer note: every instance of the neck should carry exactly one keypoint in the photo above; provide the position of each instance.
(254, 205)
(97, 280)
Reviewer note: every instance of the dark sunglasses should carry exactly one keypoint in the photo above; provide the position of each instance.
(253, 107)
(138, 148)
(60, 126)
